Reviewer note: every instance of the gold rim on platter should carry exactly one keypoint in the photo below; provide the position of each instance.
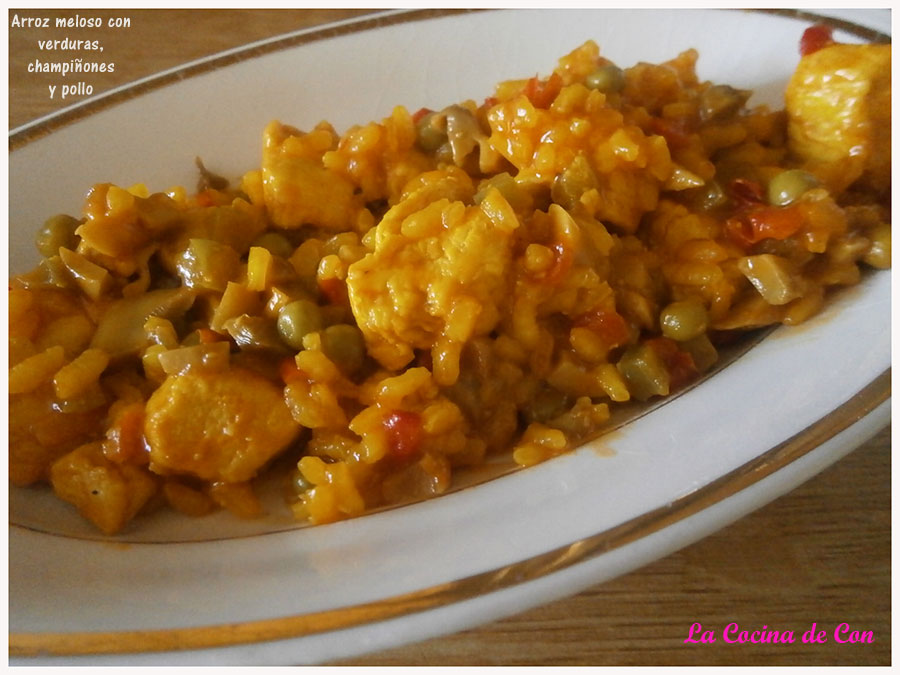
(232, 634)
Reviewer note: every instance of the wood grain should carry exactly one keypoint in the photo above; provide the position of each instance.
(820, 554)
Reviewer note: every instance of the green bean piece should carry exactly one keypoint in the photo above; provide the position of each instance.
(275, 243)
(645, 372)
(548, 403)
(49, 271)
(254, 332)
(208, 264)
(512, 192)
(683, 319)
(721, 101)
(702, 351)
(788, 186)
(345, 346)
(296, 320)
(57, 274)
(57, 232)
(120, 331)
(608, 79)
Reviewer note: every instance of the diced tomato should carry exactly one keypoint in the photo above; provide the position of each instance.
(419, 114)
(542, 93)
(608, 324)
(334, 290)
(677, 132)
(773, 222)
(815, 38)
(289, 372)
(561, 265)
(776, 223)
(207, 335)
(204, 198)
(680, 364)
(404, 431)
(125, 437)
(210, 197)
(746, 192)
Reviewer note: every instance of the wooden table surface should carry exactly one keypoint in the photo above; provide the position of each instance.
(820, 554)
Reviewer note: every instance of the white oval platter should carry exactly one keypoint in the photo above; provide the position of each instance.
(260, 593)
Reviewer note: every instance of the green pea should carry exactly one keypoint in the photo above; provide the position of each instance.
(208, 264)
(297, 319)
(345, 346)
(788, 186)
(608, 78)
(683, 320)
(56, 232)
(576, 179)
(275, 243)
(431, 133)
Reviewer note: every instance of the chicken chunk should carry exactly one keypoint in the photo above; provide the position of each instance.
(298, 190)
(106, 493)
(218, 426)
(839, 110)
(438, 274)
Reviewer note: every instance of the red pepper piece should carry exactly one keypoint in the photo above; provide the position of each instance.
(207, 198)
(125, 438)
(746, 192)
(677, 132)
(679, 363)
(608, 324)
(815, 38)
(334, 290)
(561, 265)
(542, 93)
(404, 432)
(289, 372)
(764, 223)
(420, 113)
(208, 336)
